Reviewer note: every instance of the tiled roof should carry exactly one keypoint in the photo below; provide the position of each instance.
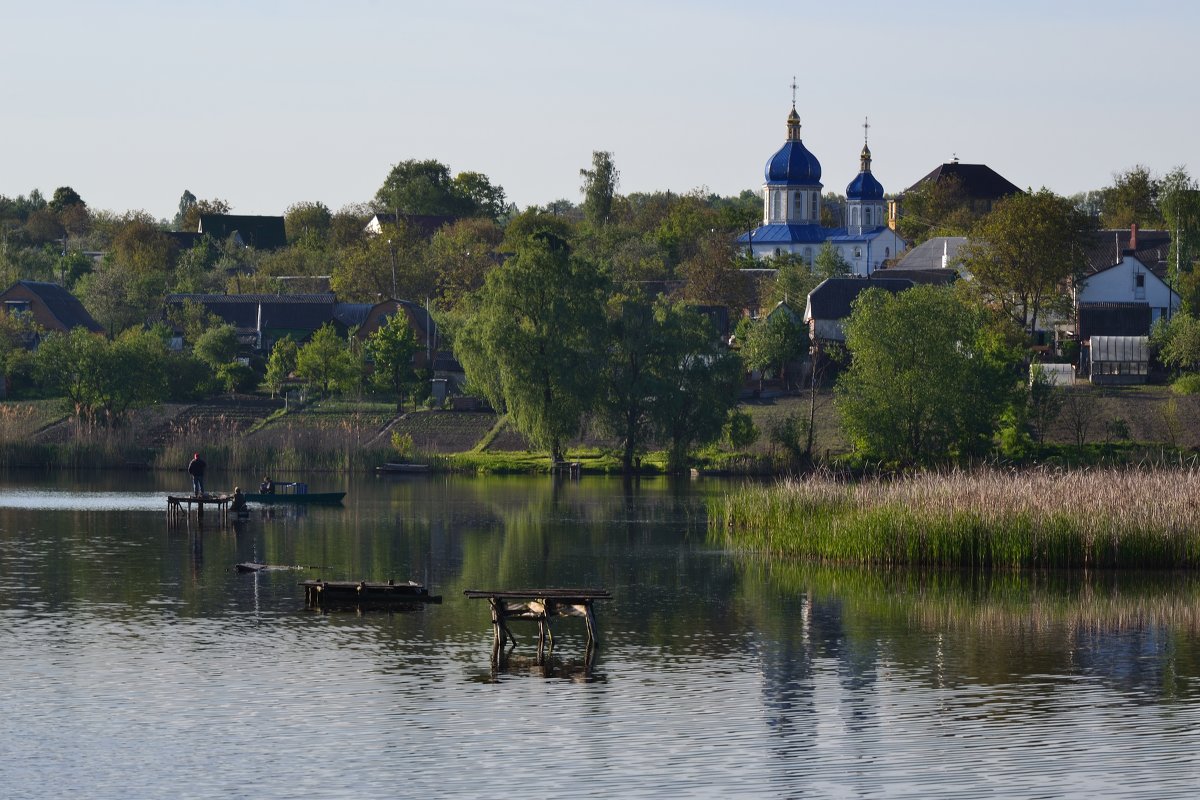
(1109, 246)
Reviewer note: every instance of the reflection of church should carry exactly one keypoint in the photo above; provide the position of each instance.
(792, 211)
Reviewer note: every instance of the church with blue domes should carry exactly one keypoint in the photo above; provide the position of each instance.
(792, 205)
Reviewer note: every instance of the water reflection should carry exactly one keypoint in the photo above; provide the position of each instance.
(719, 675)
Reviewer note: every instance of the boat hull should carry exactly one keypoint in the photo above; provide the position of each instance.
(310, 498)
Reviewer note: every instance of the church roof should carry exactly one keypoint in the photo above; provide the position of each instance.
(793, 163)
(781, 233)
(864, 187)
(978, 181)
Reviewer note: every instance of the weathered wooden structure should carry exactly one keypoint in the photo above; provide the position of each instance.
(542, 606)
(357, 593)
(180, 506)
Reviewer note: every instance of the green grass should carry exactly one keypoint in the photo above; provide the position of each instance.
(982, 520)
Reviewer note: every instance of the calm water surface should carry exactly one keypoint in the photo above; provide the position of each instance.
(139, 664)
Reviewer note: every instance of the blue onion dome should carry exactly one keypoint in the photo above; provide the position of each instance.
(865, 187)
(793, 163)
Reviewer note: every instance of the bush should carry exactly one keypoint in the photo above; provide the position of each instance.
(1187, 384)
(740, 431)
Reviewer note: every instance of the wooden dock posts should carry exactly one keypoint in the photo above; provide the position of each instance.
(542, 606)
(180, 506)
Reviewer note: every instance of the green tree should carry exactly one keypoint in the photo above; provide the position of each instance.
(460, 256)
(927, 380)
(532, 340)
(599, 188)
(216, 346)
(65, 197)
(768, 344)
(326, 362)
(1180, 206)
(487, 199)
(637, 357)
(702, 379)
(365, 273)
(1178, 342)
(1133, 197)
(281, 364)
(935, 208)
(308, 223)
(102, 379)
(829, 263)
(189, 214)
(423, 187)
(391, 349)
(1026, 253)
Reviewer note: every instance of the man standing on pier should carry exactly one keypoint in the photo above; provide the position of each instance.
(196, 470)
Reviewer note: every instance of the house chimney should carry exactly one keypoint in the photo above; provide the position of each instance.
(1133, 236)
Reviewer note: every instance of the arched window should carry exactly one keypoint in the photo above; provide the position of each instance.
(867, 216)
(858, 252)
(815, 213)
(887, 253)
(808, 255)
(798, 205)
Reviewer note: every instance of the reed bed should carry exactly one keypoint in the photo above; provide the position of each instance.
(1110, 518)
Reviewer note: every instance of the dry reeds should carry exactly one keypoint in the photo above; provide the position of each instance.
(991, 518)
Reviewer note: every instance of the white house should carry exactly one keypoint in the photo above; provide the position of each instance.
(1129, 281)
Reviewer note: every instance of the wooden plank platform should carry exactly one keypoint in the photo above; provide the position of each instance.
(542, 606)
(318, 593)
(180, 506)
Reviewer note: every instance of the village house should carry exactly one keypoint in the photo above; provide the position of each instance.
(51, 306)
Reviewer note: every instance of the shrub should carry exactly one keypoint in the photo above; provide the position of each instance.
(1187, 384)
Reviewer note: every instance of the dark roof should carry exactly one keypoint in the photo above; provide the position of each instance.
(935, 277)
(833, 296)
(352, 315)
(279, 311)
(424, 224)
(65, 306)
(263, 233)
(978, 181)
(1113, 319)
(1110, 246)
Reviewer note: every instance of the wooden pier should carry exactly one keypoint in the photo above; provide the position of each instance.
(542, 606)
(180, 506)
(358, 593)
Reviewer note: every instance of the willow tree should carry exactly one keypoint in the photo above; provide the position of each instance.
(532, 340)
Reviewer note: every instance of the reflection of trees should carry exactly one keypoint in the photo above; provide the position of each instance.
(1135, 632)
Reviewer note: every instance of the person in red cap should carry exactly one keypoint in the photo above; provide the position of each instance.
(196, 470)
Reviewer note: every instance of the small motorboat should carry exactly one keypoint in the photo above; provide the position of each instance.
(294, 492)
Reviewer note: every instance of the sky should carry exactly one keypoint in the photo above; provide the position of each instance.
(265, 104)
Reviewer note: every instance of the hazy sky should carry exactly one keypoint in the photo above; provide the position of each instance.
(265, 104)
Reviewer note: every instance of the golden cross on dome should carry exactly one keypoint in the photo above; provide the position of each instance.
(793, 91)
(866, 128)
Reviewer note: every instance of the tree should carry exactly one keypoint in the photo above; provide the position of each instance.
(1026, 253)
(713, 275)
(702, 379)
(189, 212)
(1178, 342)
(391, 349)
(281, 364)
(326, 362)
(794, 279)
(488, 199)
(829, 263)
(65, 197)
(216, 346)
(1180, 206)
(532, 340)
(767, 345)
(143, 248)
(935, 208)
(424, 187)
(1133, 197)
(102, 379)
(599, 188)
(365, 273)
(638, 356)
(461, 255)
(308, 223)
(927, 380)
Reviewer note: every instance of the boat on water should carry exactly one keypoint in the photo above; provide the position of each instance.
(294, 492)
(393, 467)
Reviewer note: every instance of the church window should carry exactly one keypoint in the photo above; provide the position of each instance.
(808, 255)
(798, 205)
(858, 252)
(867, 216)
(854, 216)
(814, 213)
(887, 253)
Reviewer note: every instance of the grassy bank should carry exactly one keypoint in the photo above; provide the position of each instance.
(1110, 518)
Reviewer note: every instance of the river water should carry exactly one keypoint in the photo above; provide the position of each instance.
(137, 663)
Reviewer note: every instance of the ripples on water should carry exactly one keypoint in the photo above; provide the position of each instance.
(709, 683)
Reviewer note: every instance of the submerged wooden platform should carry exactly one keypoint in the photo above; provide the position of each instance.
(542, 606)
(318, 593)
(179, 506)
